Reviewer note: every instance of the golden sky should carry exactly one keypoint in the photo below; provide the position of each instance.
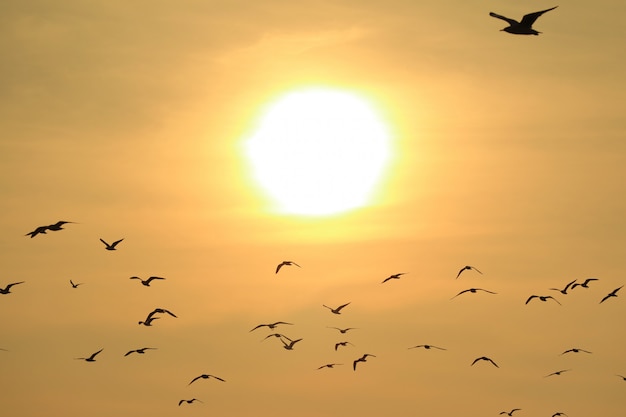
(129, 119)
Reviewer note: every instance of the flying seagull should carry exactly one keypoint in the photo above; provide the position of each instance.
(271, 325)
(148, 321)
(394, 276)
(112, 245)
(542, 298)
(342, 330)
(75, 285)
(564, 290)
(557, 372)
(140, 351)
(43, 229)
(342, 344)
(361, 359)
(523, 27)
(150, 317)
(427, 347)
(611, 294)
(336, 310)
(559, 414)
(91, 358)
(473, 290)
(282, 336)
(188, 401)
(575, 350)
(286, 263)
(484, 358)
(7, 289)
(289, 346)
(329, 365)
(147, 281)
(584, 284)
(206, 376)
(510, 413)
(467, 268)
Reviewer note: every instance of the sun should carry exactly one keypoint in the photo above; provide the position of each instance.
(319, 152)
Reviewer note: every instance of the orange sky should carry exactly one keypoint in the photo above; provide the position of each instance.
(129, 119)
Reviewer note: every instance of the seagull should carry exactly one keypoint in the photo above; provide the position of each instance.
(286, 263)
(473, 290)
(75, 285)
(206, 376)
(161, 311)
(542, 298)
(361, 359)
(585, 284)
(7, 289)
(289, 346)
(43, 229)
(394, 276)
(559, 414)
(140, 351)
(188, 401)
(575, 350)
(467, 267)
(557, 372)
(342, 330)
(336, 310)
(271, 325)
(510, 413)
(148, 321)
(147, 281)
(427, 347)
(91, 358)
(484, 358)
(342, 344)
(564, 290)
(276, 335)
(112, 245)
(611, 294)
(329, 365)
(523, 27)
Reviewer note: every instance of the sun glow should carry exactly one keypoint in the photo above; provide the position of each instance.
(319, 152)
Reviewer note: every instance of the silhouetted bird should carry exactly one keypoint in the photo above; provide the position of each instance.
(148, 321)
(510, 413)
(584, 284)
(271, 325)
(523, 27)
(557, 372)
(280, 335)
(329, 365)
(427, 347)
(161, 311)
(286, 263)
(289, 346)
(564, 290)
(43, 229)
(484, 358)
(361, 359)
(91, 358)
(206, 376)
(542, 298)
(7, 289)
(336, 310)
(473, 290)
(611, 294)
(559, 414)
(342, 330)
(147, 281)
(112, 245)
(394, 276)
(75, 285)
(140, 351)
(342, 344)
(575, 350)
(467, 268)
(188, 401)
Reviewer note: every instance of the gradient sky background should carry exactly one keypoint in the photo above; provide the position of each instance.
(128, 118)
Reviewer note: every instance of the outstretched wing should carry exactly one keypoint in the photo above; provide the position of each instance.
(530, 18)
(506, 19)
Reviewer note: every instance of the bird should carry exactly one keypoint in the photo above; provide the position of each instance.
(559, 414)
(523, 27)
(484, 358)
(75, 285)
(148, 321)
(43, 229)
(342, 344)
(112, 245)
(161, 311)
(206, 376)
(584, 284)
(91, 358)
(427, 347)
(276, 335)
(329, 365)
(467, 268)
(557, 372)
(7, 289)
(564, 290)
(621, 376)
(361, 359)
(147, 281)
(286, 263)
(271, 325)
(542, 298)
(188, 401)
(611, 294)
(575, 350)
(336, 310)
(140, 351)
(394, 276)
(510, 413)
(343, 331)
(289, 346)
(473, 290)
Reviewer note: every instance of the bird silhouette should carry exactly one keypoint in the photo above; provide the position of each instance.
(148, 321)
(7, 289)
(112, 245)
(141, 351)
(75, 285)
(361, 359)
(611, 294)
(91, 358)
(473, 290)
(329, 365)
(147, 281)
(557, 372)
(584, 284)
(161, 311)
(394, 276)
(467, 268)
(285, 263)
(575, 350)
(542, 298)
(559, 414)
(342, 344)
(343, 331)
(510, 413)
(427, 347)
(43, 229)
(206, 376)
(189, 401)
(484, 358)
(280, 335)
(564, 290)
(270, 325)
(524, 26)
(289, 346)
(336, 310)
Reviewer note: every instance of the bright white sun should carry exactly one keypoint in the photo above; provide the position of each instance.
(319, 152)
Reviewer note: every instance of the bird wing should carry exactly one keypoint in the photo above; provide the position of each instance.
(129, 352)
(280, 265)
(506, 19)
(114, 244)
(195, 379)
(530, 298)
(102, 240)
(218, 378)
(94, 354)
(530, 18)
(342, 306)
